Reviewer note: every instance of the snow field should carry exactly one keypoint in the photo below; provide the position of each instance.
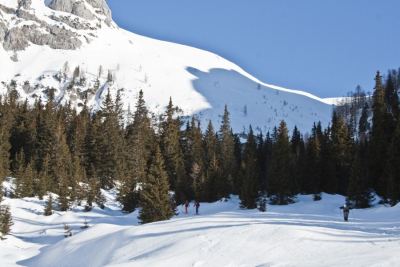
(306, 233)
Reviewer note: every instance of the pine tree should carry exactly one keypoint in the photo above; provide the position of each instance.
(212, 165)
(194, 159)
(358, 192)
(110, 138)
(250, 174)
(67, 230)
(227, 156)
(140, 142)
(6, 121)
(341, 153)
(298, 156)
(392, 170)
(77, 174)
(173, 155)
(379, 139)
(49, 206)
(391, 97)
(94, 186)
(64, 203)
(5, 221)
(19, 174)
(48, 126)
(280, 184)
(364, 125)
(329, 183)
(154, 196)
(311, 183)
(46, 181)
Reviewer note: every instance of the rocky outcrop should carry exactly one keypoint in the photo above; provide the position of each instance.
(73, 23)
(18, 39)
(102, 9)
(7, 10)
(2, 30)
(79, 8)
(18, 35)
(25, 4)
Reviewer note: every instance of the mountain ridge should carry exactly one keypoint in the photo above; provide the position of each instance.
(161, 69)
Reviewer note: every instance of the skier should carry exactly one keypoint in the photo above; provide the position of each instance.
(186, 205)
(197, 205)
(172, 203)
(346, 211)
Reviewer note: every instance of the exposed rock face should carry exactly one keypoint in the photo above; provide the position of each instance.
(18, 39)
(18, 35)
(79, 9)
(25, 4)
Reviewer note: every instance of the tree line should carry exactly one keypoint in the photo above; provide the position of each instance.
(54, 148)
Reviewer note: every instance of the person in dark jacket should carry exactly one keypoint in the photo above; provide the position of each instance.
(346, 209)
(197, 205)
(186, 205)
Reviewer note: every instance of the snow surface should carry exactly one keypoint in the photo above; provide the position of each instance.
(306, 233)
(200, 83)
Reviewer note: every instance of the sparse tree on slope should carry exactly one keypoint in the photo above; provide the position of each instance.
(49, 206)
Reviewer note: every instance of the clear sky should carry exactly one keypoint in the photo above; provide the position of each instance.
(326, 48)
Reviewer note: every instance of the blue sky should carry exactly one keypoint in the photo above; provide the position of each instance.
(326, 48)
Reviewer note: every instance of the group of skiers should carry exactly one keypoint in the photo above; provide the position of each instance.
(196, 204)
(346, 209)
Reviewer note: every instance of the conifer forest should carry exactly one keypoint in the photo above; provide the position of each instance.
(48, 147)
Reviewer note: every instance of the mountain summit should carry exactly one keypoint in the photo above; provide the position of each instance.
(74, 49)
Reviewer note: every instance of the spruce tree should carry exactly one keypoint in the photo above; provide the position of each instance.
(19, 174)
(391, 97)
(250, 172)
(154, 196)
(140, 143)
(173, 154)
(212, 164)
(358, 192)
(110, 141)
(310, 183)
(49, 206)
(392, 170)
(341, 153)
(379, 139)
(329, 183)
(298, 155)
(6, 120)
(194, 157)
(280, 185)
(93, 188)
(5, 221)
(364, 125)
(63, 200)
(227, 156)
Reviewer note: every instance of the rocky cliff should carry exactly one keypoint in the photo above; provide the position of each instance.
(20, 26)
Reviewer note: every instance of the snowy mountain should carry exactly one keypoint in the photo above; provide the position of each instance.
(44, 42)
(306, 233)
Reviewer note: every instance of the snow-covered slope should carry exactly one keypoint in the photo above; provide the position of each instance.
(199, 82)
(306, 233)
